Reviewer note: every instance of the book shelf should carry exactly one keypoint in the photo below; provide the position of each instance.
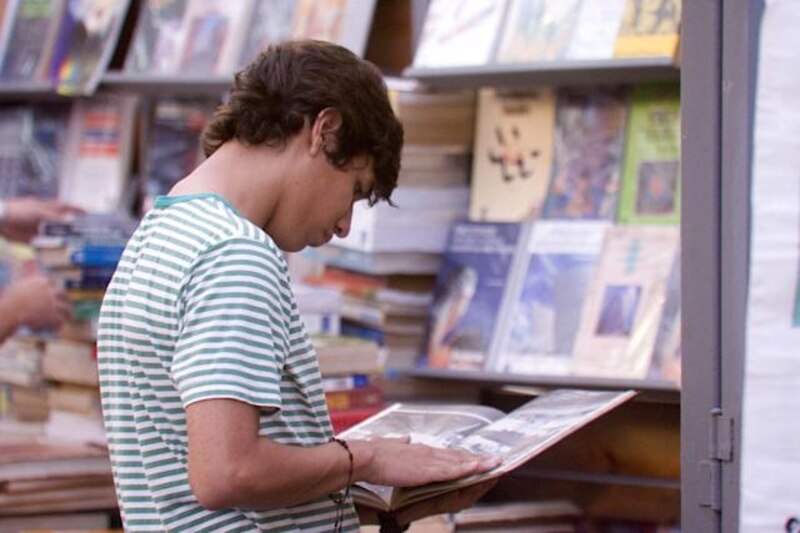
(521, 75)
(671, 390)
(165, 85)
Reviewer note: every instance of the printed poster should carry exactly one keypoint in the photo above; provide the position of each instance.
(770, 469)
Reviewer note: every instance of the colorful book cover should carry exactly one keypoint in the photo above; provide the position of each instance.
(622, 313)
(86, 39)
(97, 156)
(650, 191)
(513, 155)
(538, 30)
(30, 40)
(213, 36)
(459, 33)
(596, 30)
(649, 28)
(155, 46)
(344, 22)
(173, 150)
(31, 144)
(469, 293)
(272, 22)
(559, 262)
(589, 134)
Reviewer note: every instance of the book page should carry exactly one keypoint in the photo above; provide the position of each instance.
(440, 426)
(525, 433)
(534, 427)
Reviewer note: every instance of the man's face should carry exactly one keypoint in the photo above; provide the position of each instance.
(322, 203)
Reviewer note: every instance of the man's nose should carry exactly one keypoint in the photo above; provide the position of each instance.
(343, 224)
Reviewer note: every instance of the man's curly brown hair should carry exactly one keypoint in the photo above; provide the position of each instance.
(287, 86)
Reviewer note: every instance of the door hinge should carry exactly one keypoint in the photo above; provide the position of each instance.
(721, 436)
(709, 472)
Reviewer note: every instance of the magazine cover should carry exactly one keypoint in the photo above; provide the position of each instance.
(596, 30)
(345, 22)
(589, 135)
(538, 30)
(650, 192)
(559, 261)
(623, 308)
(515, 437)
(469, 293)
(32, 141)
(649, 28)
(96, 161)
(86, 39)
(213, 36)
(30, 39)
(271, 23)
(513, 155)
(173, 150)
(459, 33)
(155, 46)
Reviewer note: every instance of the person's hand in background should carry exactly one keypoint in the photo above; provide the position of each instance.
(22, 216)
(34, 301)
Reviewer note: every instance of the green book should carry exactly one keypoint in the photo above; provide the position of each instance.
(650, 185)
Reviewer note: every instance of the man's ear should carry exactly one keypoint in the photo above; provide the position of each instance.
(324, 128)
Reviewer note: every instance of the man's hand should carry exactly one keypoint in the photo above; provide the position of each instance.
(23, 216)
(450, 502)
(397, 463)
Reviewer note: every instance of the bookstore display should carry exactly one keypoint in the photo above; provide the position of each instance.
(534, 234)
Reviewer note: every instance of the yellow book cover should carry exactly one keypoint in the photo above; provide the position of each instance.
(649, 28)
(513, 155)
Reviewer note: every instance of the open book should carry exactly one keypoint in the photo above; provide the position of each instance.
(516, 437)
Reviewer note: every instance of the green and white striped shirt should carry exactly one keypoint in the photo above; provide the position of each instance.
(200, 307)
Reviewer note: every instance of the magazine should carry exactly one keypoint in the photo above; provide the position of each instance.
(469, 293)
(515, 437)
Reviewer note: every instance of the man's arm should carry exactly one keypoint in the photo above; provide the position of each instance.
(231, 466)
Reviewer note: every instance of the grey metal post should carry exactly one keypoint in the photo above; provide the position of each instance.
(700, 259)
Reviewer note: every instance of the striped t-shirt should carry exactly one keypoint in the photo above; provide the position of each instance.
(200, 307)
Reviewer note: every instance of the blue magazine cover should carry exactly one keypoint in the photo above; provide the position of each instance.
(469, 293)
(559, 261)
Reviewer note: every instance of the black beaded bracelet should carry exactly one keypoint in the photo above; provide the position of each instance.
(341, 499)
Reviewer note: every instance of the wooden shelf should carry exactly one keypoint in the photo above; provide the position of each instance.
(596, 72)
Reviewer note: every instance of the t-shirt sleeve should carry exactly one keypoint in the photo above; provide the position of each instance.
(233, 336)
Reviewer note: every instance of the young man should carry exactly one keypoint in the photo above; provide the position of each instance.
(211, 389)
